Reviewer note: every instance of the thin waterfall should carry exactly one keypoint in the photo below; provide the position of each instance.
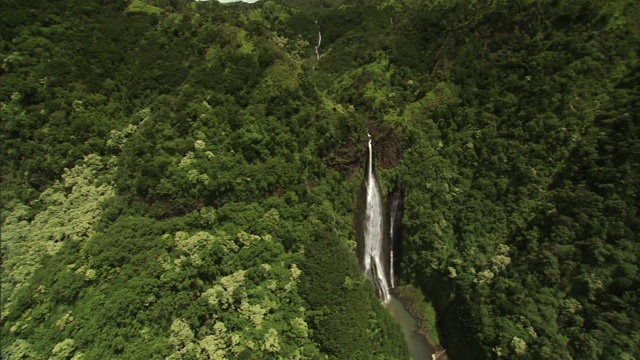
(319, 42)
(392, 214)
(395, 202)
(373, 259)
(392, 276)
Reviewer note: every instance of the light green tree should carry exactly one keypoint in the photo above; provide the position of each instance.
(72, 207)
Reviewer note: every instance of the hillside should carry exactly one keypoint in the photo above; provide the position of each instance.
(179, 178)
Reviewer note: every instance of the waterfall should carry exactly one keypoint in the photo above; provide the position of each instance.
(392, 276)
(395, 202)
(373, 259)
(319, 42)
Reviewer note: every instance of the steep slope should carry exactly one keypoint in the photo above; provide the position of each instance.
(195, 217)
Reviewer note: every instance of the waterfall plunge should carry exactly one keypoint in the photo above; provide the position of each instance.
(373, 259)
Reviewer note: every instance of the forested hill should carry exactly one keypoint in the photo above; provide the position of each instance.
(165, 193)
(179, 178)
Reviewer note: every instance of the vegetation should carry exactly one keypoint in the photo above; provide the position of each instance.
(164, 190)
(179, 178)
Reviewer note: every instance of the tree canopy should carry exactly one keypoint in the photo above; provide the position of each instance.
(179, 178)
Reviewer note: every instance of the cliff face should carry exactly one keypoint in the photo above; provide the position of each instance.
(388, 145)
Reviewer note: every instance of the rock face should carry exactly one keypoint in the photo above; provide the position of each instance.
(388, 145)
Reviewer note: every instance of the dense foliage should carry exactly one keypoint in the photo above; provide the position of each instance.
(165, 192)
(179, 178)
(521, 170)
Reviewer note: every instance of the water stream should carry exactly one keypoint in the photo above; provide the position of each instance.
(419, 348)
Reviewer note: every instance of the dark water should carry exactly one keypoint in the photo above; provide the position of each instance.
(418, 345)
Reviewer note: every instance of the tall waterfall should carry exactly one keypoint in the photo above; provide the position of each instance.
(373, 259)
